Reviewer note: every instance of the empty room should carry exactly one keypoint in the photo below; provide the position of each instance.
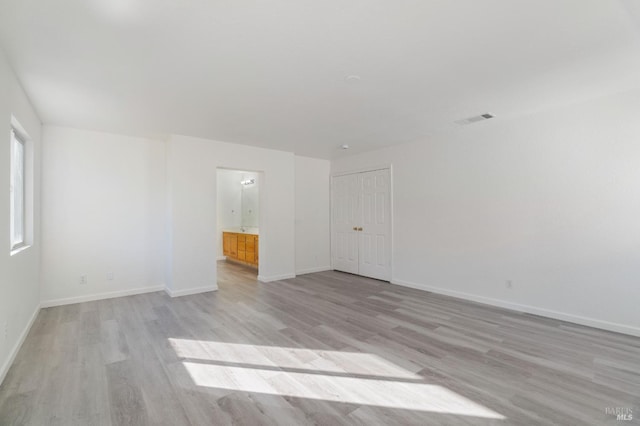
(319, 212)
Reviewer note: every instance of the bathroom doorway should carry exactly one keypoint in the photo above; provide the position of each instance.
(238, 222)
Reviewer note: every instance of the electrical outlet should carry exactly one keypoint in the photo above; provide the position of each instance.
(83, 279)
(509, 284)
(109, 276)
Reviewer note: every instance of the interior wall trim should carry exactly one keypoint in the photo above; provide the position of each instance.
(16, 348)
(265, 279)
(548, 313)
(100, 296)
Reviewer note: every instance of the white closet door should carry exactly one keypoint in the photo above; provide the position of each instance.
(346, 215)
(375, 236)
(361, 224)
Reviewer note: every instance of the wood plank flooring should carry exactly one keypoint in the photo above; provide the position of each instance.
(326, 348)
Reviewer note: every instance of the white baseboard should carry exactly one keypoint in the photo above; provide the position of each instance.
(264, 279)
(190, 291)
(313, 270)
(576, 319)
(16, 348)
(99, 296)
(222, 258)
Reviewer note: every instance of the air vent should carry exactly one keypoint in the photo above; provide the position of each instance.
(475, 119)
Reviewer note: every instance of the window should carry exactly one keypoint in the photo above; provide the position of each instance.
(17, 191)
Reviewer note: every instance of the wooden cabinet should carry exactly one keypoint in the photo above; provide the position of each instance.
(240, 247)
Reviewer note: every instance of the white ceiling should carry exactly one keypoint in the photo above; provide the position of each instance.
(272, 73)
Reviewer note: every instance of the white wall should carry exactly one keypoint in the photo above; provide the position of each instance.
(147, 212)
(313, 237)
(20, 273)
(104, 211)
(549, 201)
(191, 171)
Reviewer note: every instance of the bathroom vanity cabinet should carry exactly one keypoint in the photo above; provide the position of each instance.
(240, 247)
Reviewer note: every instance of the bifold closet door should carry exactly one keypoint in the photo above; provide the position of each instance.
(345, 214)
(361, 223)
(374, 246)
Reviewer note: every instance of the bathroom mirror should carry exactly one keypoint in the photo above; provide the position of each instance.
(249, 200)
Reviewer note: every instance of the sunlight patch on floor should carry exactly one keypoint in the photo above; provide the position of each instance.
(292, 358)
(373, 392)
(335, 376)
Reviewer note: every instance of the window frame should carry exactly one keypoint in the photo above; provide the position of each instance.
(15, 245)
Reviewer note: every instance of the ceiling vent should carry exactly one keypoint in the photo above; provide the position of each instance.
(475, 119)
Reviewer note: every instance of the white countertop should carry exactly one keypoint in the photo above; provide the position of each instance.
(247, 230)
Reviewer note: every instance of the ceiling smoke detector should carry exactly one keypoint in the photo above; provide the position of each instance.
(345, 146)
(475, 119)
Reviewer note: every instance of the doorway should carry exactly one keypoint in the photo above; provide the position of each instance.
(361, 223)
(238, 220)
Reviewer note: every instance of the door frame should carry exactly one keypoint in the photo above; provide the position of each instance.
(389, 167)
(262, 216)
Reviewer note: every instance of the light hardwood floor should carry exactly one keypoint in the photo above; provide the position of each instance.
(326, 348)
